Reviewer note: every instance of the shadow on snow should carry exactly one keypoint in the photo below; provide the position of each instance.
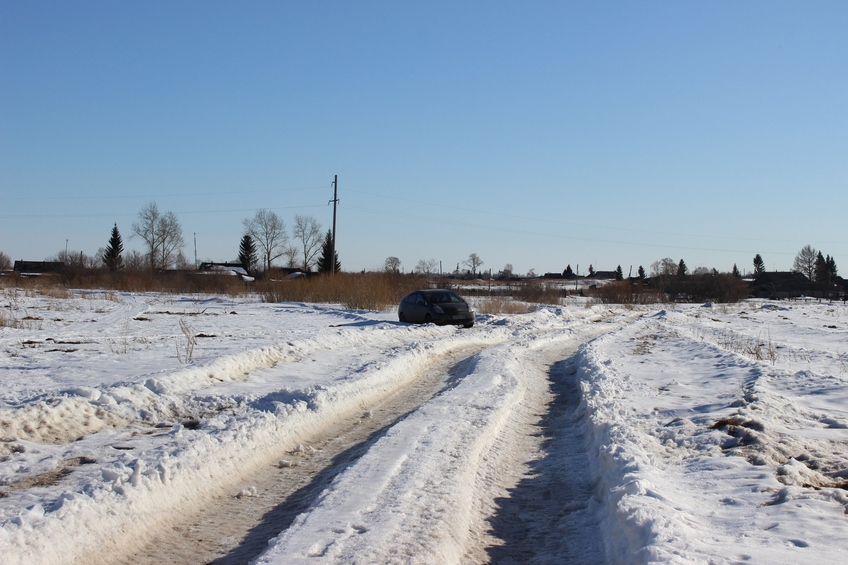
(551, 515)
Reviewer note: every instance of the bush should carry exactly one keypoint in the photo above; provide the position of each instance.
(538, 293)
(625, 292)
(721, 288)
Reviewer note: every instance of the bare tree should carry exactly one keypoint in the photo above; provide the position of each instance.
(162, 235)
(182, 262)
(5, 262)
(805, 262)
(392, 264)
(75, 260)
(172, 242)
(425, 267)
(134, 261)
(307, 230)
(291, 255)
(268, 230)
(664, 268)
(473, 262)
(145, 228)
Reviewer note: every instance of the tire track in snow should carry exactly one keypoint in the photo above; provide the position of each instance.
(235, 525)
(549, 515)
(536, 501)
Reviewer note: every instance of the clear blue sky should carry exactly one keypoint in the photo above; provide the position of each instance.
(533, 133)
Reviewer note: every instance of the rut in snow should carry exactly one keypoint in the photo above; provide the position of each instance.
(549, 516)
(236, 526)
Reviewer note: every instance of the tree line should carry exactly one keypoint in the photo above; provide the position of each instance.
(265, 239)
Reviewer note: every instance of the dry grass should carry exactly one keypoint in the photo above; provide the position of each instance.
(761, 348)
(176, 282)
(367, 291)
(56, 292)
(500, 305)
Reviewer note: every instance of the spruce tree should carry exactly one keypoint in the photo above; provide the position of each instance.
(247, 254)
(831, 267)
(641, 272)
(736, 272)
(568, 273)
(619, 275)
(759, 265)
(821, 271)
(682, 269)
(324, 265)
(112, 255)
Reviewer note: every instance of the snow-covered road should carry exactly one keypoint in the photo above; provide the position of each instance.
(311, 433)
(234, 528)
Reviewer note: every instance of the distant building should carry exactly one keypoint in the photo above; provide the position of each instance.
(232, 269)
(603, 275)
(34, 268)
(781, 285)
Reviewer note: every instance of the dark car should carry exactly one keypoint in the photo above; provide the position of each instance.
(436, 306)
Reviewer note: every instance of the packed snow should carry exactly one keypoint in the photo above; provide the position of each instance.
(571, 434)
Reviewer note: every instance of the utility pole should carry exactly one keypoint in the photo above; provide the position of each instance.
(335, 202)
(195, 251)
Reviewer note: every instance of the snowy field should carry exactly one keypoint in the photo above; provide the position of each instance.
(146, 428)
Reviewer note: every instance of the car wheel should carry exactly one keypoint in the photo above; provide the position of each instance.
(428, 319)
(402, 318)
(468, 325)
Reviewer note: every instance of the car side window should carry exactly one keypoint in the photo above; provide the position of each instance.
(419, 299)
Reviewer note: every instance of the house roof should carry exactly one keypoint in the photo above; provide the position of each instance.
(38, 266)
(782, 281)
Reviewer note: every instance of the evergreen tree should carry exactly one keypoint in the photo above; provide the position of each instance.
(247, 254)
(682, 269)
(820, 270)
(736, 272)
(831, 267)
(759, 265)
(324, 265)
(641, 272)
(568, 273)
(619, 275)
(112, 255)
(591, 270)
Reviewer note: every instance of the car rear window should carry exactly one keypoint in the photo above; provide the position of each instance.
(443, 298)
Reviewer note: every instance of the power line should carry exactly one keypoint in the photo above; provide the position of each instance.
(178, 195)
(102, 215)
(579, 225)
(569, 237)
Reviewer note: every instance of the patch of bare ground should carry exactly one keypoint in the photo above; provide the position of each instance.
(49, 478)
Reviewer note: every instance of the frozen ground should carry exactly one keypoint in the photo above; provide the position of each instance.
(302, 433)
